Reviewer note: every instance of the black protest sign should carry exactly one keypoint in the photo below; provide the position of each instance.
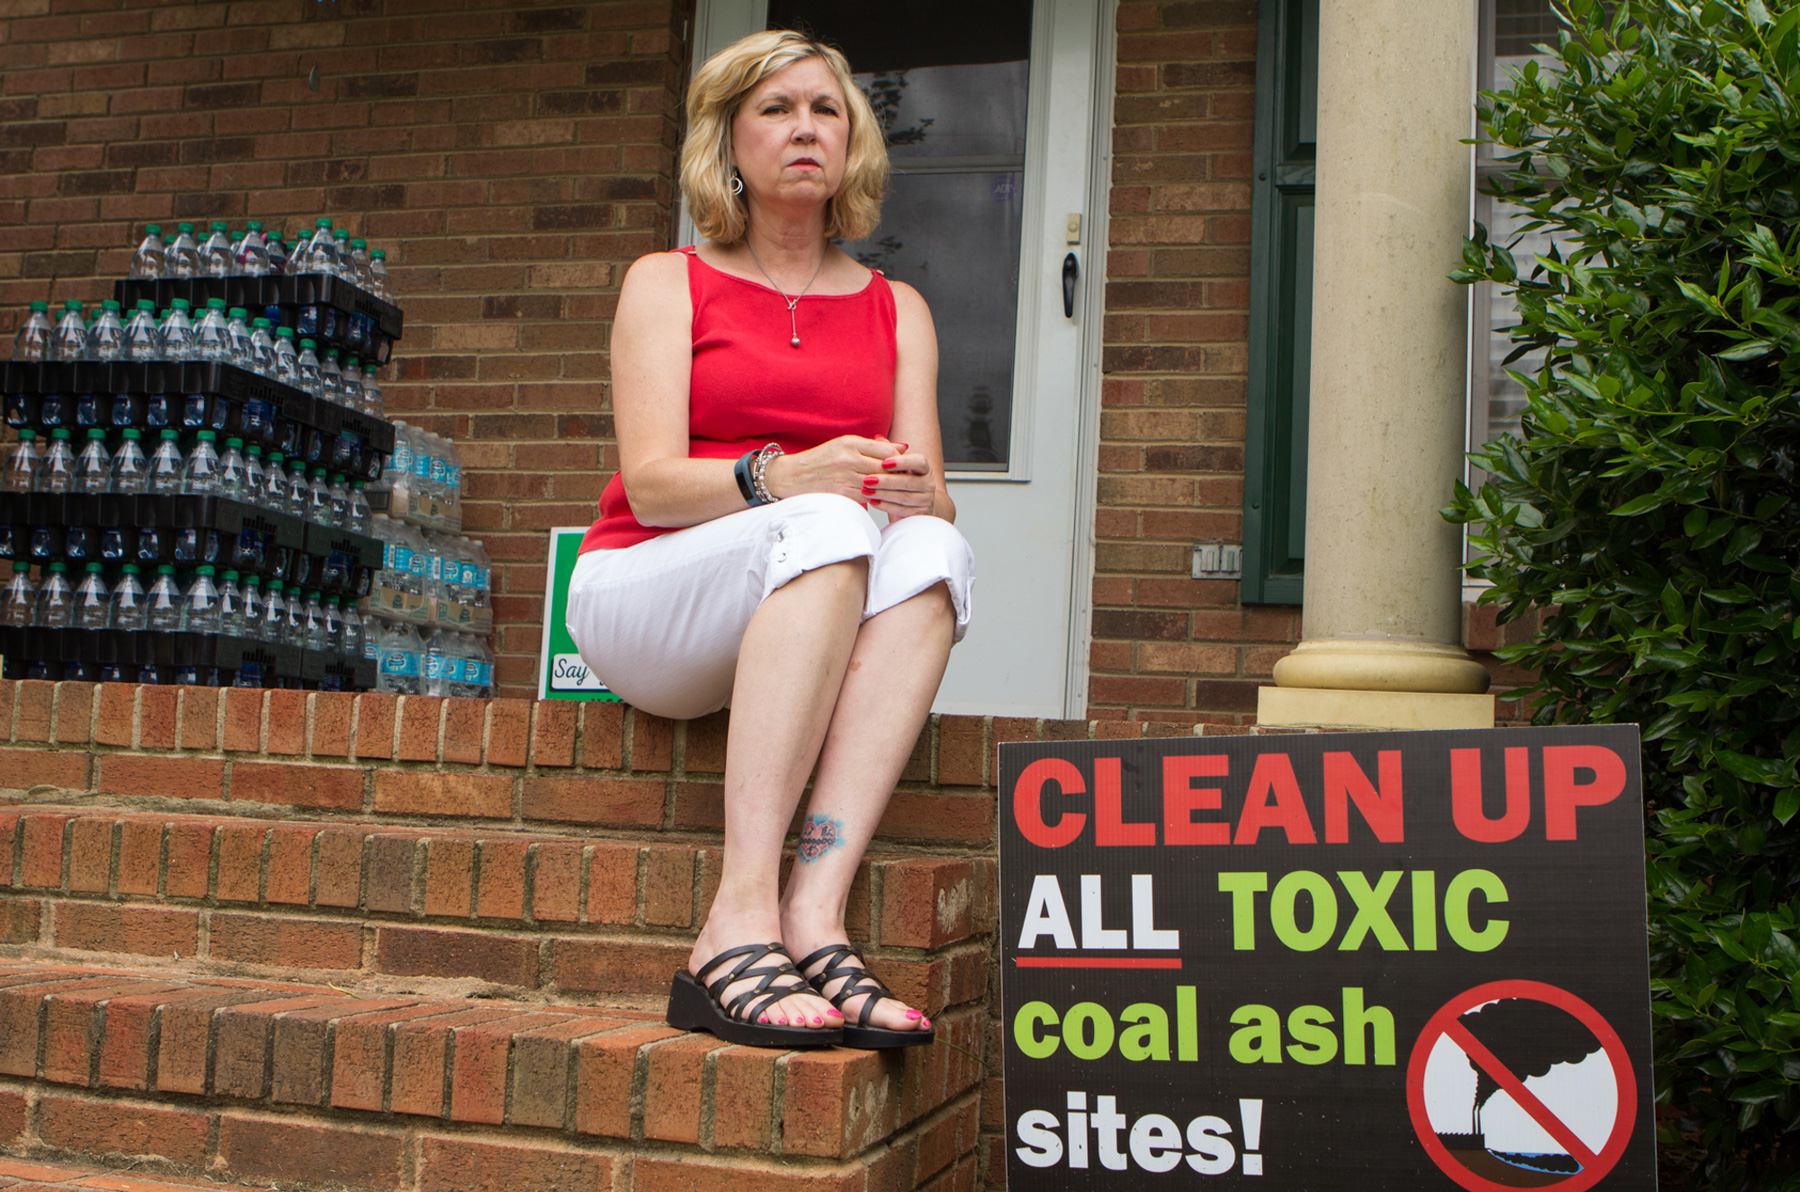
(1374, 960)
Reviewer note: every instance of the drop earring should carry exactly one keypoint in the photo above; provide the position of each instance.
(737, 183)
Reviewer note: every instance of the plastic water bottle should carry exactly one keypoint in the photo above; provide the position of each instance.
(262, 356)
(253, 252)
(275, 486)
(106, 336)
(148, 262)
(350, 634)
(56, 471)
(177, 332)
(307, 369)
(33, 340)
(22, 465)
(372, 404)
(400, 659)
(166, 465)
(321, 250)
(232, 473)
(396, 472)
(484, 661)
(331, 378)
(143, 341)
(379, 278)
(337, 498)
(287, 360)
(200, 603)
(356, 508)
(216, 256)
(127, 605)
(252, 490)
(182, 259)
(162, 603)
(275, 614)
(253, 609)
(93, 467)
(210, 339)
(452, 486)
(200, 472)
(350, 392)
(238, 348)
(298, 491)
(312, 623)
(69, 340)
(278, 255)
(418, 563)
(231, 605)
(341, 243)
(93, 600)
(318, 498)
(129, 473)
(56, 601)
(484, 575)
(359, 265)
(18, 604)
(435, 682)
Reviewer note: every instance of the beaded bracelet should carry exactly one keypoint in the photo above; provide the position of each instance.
(757, 468)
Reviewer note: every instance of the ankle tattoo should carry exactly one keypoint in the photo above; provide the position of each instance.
(819, 835)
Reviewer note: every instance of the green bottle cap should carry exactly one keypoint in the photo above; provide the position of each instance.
(234, 442)
(321, 223)
(180, 304)
(132, 432)
(165, 569)
(28, 434)
(153, 229)
(237, 312)
(254, 225)
(283, 332)
(378, 254)
(109, 304)
(263, 323)
(92, 568)
(215, 304)
(40, 307)
(208, 436)
(204, 569)
(169, 434)
(232, 576)
(219, 225)
(129, 569)
(95, 432)
(59, 566)
(72, 304)
(309, 343)
(187, 228)
(146, 304)
(61, 432)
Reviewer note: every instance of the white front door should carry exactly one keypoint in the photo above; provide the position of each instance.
(997, 118)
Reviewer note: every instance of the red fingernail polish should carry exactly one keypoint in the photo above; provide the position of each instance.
(888, 463)
(903, 447)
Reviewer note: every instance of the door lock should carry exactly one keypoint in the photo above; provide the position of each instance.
(1071, 271)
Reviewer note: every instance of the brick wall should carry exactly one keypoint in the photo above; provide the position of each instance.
(1168, 647)
(512, 158)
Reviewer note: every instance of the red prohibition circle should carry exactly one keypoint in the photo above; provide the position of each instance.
(1623, 1077)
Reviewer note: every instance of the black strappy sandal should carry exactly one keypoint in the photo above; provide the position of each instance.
(859, 981)
(697, 1007)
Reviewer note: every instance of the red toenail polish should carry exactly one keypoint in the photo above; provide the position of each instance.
(914, 1014)
(835, 1013)
(926, 1021)
(764, 1018)
(818, 1022)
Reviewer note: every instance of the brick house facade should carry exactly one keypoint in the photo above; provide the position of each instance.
(515, 159)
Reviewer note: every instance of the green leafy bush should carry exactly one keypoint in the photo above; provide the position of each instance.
(1649, 510)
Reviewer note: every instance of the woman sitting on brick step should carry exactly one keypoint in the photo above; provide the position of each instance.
(768, 391)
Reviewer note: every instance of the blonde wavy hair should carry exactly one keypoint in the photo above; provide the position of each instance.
(714, 96)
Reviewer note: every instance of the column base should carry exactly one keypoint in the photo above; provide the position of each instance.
(1382, 665)
(1323, 707)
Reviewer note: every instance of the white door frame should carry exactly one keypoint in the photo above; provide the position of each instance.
(717, 23)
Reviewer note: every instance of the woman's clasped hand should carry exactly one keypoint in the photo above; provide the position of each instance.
(779, 536)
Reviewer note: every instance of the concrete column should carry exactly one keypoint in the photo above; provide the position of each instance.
(1389, 375)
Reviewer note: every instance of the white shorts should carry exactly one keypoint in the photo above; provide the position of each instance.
(661, 622)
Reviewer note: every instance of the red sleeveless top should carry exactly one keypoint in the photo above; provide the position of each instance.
(750, 386)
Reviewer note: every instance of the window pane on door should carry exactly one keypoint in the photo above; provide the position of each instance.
(951, 94)
(955, 237)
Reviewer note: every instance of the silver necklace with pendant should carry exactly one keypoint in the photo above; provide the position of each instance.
(793, 320)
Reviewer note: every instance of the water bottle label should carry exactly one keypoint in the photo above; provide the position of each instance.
(415, 562)
(402, 559)
(421, 466)
(434, 666)
(400, 662)
(440, 472)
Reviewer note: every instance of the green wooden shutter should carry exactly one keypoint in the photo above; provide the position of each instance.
(1287, 90)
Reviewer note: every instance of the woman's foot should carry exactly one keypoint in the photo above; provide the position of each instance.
(887, 1013)
(803, 1008)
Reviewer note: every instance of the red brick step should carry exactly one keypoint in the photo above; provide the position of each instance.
(260, 1080)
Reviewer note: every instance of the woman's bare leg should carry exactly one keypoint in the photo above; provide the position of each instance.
(790, 668)
(892, 678)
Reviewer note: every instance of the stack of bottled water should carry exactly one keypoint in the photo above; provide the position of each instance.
(440, 585)
(254, 252)
(422, 478)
